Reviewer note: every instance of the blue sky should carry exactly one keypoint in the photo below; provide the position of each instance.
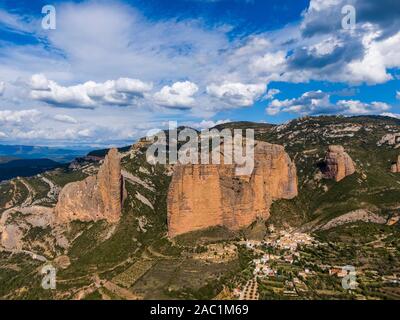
(113, 70)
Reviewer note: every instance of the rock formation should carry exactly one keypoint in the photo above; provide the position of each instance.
(338, 164)
(202, 196)
(98, 197)
(396, 166)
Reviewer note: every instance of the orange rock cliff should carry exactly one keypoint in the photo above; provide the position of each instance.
(338, 164)
(395, 168)
(202, 196)
(98, 197)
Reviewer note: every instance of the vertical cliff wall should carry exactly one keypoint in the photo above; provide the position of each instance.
(202, 196)
(338, 164)
(97, 197)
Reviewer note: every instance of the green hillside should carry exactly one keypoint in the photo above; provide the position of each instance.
(135, 258)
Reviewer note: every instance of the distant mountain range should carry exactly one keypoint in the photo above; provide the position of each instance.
(103, 152)
(35, 152)
(6, 159)
(25, 167)
(24, 161)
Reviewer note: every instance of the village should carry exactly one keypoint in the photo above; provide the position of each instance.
(282, 270)
(277, 248)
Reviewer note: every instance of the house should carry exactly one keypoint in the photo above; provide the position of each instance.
(289, 259)
(338, 271)
(236, 292)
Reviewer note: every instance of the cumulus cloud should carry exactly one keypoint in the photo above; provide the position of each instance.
(2, 135)
(358, 107)
(324, 16)
(179, 95)
(309, 103)
(122, 92)
(328, 52)
(65, 119)
(318, 102)
(12, 117)
(322, 50)
(39, 82)
(271, 64)
(236, 94)
(206, 124)
(235, 72)
(398, 94)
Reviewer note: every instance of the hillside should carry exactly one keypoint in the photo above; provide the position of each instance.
(6, 159)
(25, 167)
(373, 186)
(351, 222)
(37, 152)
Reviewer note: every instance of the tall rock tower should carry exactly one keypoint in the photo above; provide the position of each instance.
(202, 196)
(97, 197)
(338, 164)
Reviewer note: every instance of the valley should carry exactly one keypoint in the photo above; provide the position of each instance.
(297, 251)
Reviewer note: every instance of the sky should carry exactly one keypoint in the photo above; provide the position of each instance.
(111, 71)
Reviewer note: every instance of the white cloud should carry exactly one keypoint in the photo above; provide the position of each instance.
(325, 47)
(236, 94)
(123, 91)
(2, 135)
(18, 117)
(206, 124)
(99, 41)
(271, 65)
(2, 87)
(132, 86)
(371, 68)
(39, 82)
(363, 55)
(398, 94)
(391, 115)
(318, 102)
(271, 93)
(179, 95)
(254, 45)
(309, 103)
(358, 107)
(103, 38)
(389, 49)
(86, 133)
(15, 22)
(65, 118)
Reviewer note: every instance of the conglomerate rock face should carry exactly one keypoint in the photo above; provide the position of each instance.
(98, 197)
(338, 164)
(396, 166)
(201, 196)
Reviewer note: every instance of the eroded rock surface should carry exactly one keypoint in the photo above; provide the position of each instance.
(202, 196)
(98, 197)
(353, 216)
(338, 164)
(396, 166)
